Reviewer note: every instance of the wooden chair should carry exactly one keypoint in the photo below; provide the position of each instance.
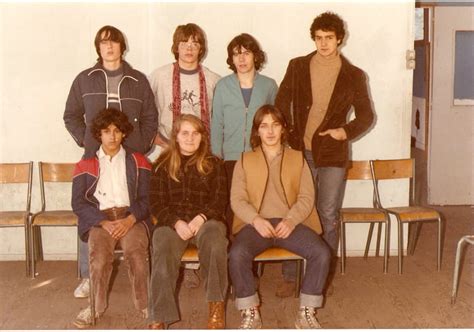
(18, 173)
(360, 170)
(52, 173)
(411, 214)
(270, 255)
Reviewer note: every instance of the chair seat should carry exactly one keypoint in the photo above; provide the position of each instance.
(9, 218)
(271, 254)
(362, 215)
(55, 218)
(414, 213)
(277, 254)
(190, 255)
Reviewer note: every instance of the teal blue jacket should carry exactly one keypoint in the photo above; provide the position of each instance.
(231, 121)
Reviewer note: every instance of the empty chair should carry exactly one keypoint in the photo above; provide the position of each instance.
(52, 173)
(360, 170)
(468, 239)
(17, 173)
(411, 214)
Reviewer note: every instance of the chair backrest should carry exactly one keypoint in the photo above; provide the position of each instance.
(393, 169)
(11, 173)
(359, 170)
(54, 172)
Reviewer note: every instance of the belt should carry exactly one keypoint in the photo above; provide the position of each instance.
(116, 213)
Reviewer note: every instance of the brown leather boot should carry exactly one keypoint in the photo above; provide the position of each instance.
(216, 320)
(156, 326)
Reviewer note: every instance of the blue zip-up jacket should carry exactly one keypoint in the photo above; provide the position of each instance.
(88, 96)
(231, 121)
(84, 184)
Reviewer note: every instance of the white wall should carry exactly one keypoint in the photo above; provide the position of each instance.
(44, 46)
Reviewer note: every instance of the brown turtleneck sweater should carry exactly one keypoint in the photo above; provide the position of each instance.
(323, 74)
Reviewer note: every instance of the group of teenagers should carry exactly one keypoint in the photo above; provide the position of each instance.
(233, 165)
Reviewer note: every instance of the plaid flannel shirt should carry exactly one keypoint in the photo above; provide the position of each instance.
(171, 201)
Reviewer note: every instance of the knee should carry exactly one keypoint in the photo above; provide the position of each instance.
(239, 255)
(320, 253)
(99, 259)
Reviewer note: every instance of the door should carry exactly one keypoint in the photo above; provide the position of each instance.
(450, 155)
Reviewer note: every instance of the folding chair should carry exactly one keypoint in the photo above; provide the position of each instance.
(412, 214)
(360, 170)
(19, 173)
(50, 173)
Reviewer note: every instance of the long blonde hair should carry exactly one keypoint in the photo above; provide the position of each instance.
(171, 156)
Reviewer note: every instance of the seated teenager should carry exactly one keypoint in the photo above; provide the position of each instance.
(110, 197)
(188, 197)
(272, 197)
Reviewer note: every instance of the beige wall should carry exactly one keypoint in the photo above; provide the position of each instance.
(44, 46)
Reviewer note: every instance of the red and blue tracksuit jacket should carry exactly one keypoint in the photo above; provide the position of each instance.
(84, 184)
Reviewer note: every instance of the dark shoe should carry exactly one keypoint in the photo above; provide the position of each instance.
(156, 326)
(286, 289)
(191, 278)
(216, 320)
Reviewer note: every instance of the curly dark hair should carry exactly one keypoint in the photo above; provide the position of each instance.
(277, 115)
(249, 43)
(328, 21)
(109, 116)
(111, 33)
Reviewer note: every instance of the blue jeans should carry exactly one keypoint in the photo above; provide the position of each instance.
(329, 185)
(303, 241)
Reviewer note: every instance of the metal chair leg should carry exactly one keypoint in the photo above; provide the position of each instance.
(456, 270)
(343, 248)
(32, 252)
(78, 255)
(27, 245)
(440, 226)
(298, 278)
(379, 234)
(369, 240)
(387, 245)
(400, 245)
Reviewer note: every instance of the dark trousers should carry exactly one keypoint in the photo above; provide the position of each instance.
(303, 241)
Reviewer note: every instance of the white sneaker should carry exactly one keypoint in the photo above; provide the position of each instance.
(306, 319)
(83, 289)
(84, 318)
(250, 319)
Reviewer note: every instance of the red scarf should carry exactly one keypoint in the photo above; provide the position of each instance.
(202, 95)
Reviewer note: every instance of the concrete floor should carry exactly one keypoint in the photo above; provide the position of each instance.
(363, 298)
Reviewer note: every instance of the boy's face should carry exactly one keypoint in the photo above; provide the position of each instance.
(111, 138)
(243, 60)
(188, 53)
(109, 50)
(326, 43)
(270, 131)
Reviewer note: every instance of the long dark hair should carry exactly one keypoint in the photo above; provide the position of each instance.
(276, 114)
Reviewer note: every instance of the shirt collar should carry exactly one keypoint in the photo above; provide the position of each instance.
(101, 153)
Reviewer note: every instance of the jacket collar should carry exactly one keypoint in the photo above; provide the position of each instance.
(127, 70)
